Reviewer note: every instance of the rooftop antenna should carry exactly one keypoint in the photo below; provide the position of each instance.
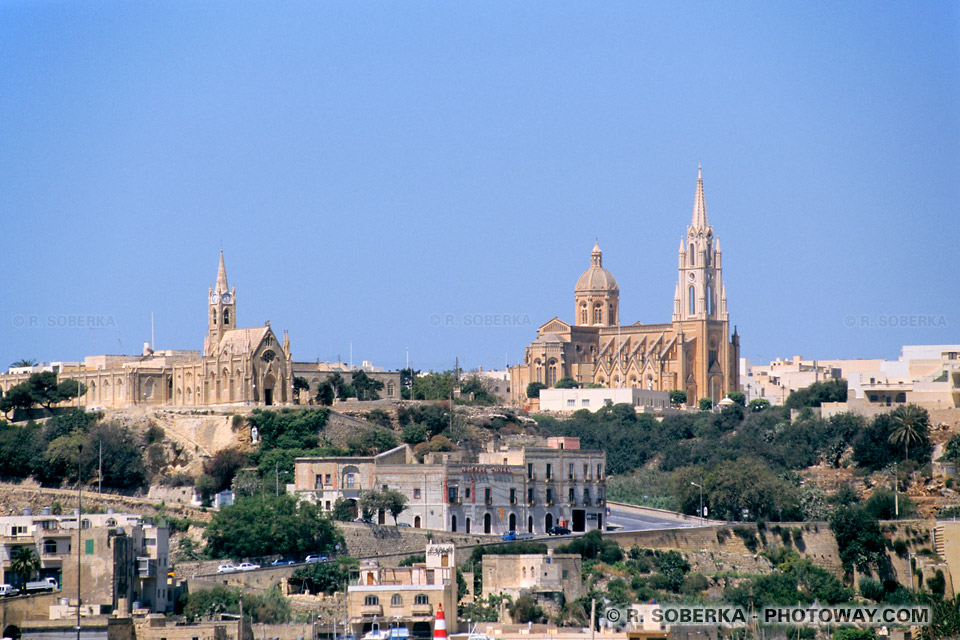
(153, 345)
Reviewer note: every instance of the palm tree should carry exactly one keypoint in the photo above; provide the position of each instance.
(910, 424)
(24, 362)
(24, 563)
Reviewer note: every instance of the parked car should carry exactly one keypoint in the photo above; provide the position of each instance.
(316, 558)
(363, 520)
(47, 584)
(510, 536)
(403, 524)
(558, 531)
(281, 562)
(7, 590)
(226, 568)
(247, 566)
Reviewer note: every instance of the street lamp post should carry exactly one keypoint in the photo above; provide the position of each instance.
(700, 486)
(79, 529)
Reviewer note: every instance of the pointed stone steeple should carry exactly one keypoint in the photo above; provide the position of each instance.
(222, 276)
(596, 256)
(699, 204)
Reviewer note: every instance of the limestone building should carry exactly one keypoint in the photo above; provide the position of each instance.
(694, 352)
(526, 488)
(409, 597)
(237, 366)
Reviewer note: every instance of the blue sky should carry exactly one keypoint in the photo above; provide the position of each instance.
(371, 167)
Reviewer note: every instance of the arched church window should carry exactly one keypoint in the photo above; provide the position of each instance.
(226, 316)
(693, 256)
(213, 316)
(583, 315)
(597, 314)
(693, 301)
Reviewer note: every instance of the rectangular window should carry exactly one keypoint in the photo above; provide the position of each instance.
(328, 505)
(586, 470)
(549, 471)
(586, 496)
(530, 471)
(530, 495)
(570, 472)
(599, 471)
(349, 481)
(571, 495)
(585, 402)
(513, 496)
(571, 402)
(488, 495)
(317, 484)
(564, 576)
(549, 496)
(466, 493)
(88, 547)
(452, 496)
(326, 478)
(416, 493)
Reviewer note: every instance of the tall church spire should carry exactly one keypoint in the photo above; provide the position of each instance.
(596, 256)
(222, 276)
(699, 204)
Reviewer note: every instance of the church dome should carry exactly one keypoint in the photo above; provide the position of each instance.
(596, 278)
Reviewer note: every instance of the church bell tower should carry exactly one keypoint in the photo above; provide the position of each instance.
(700, 294)
(222, 311)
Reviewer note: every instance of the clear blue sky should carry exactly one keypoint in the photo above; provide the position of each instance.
(367, 165)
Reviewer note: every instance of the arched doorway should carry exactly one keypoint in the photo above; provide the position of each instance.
(513, 522)
(453, 523)
(466, 525)
(547, 522)
(352, 504)
(12, 631)
(416, 522)
(530, 524)
(421, 630)
(268, 385)
(486, 523)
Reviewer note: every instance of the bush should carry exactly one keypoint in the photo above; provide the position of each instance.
(705, 404)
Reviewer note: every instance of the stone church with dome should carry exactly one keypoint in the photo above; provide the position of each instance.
(694, 352)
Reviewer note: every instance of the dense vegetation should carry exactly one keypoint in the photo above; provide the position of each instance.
(746, 459)
(263, 525)
(55, 451)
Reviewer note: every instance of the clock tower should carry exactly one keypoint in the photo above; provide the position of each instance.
(222, 312)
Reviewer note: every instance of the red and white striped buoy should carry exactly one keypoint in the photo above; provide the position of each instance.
(440, 623)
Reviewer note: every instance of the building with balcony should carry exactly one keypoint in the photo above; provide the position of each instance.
(524, 487)
(124, 559)
(405, 596)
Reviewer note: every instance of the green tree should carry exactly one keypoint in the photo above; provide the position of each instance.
(122, 462)
(758, 404)
(223, 466)
(738, 397)
(525, 609)
(566, 382)
(818, 393)
(299, 384)
(365, 387)
(534, 388)
(17, 397)
(705, 404)
(395, 502)
(859, 539)
(380, 418)
(414, 433)
(343, 510)
(263, 525)
(325, 394)
(678, 397)
(24, 563)
(951, 450)
(325, 577)
(910, 424)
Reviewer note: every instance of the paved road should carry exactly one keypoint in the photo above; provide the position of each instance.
(632, 521)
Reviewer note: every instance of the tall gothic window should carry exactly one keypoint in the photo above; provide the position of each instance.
(583, 315)
(693, 301)
(226, 316)
(213, 316)
(693, 256)
(709, 300)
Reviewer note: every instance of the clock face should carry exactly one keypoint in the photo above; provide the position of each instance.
(214, 298)
(227, 298)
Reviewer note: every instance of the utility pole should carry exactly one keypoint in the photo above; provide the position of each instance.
(593, 617)
(79, 529)
(100, 470)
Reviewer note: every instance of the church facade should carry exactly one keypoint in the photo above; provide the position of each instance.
(248, 366)
(694, 352)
